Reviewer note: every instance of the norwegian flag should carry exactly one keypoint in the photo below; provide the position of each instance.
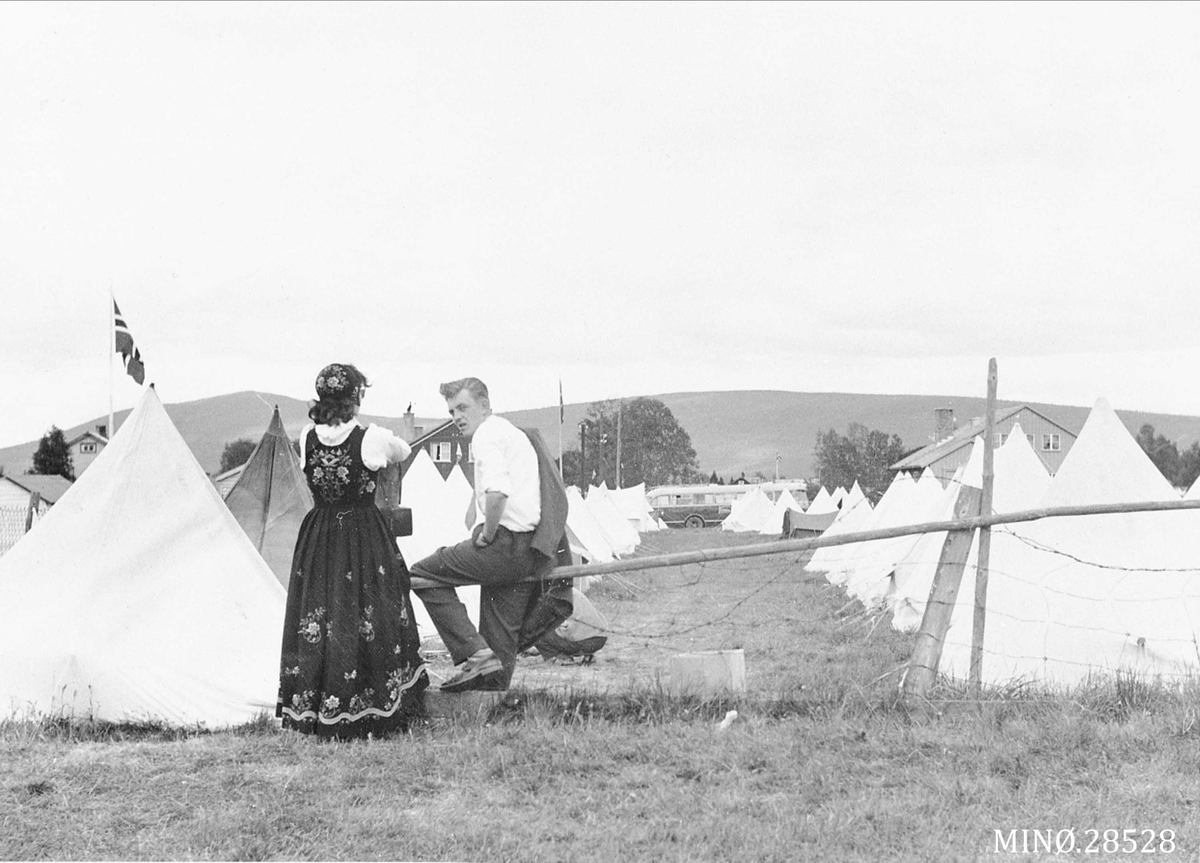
(131, 357)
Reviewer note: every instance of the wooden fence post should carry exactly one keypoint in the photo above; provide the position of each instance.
(35, 501)
(922, 666)
(985, 536)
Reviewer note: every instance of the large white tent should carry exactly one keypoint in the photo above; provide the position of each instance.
(1068, 597)
(138, 596)
(1020, 483)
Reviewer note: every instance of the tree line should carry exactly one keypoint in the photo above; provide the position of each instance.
(1180, 468)
(861, 455)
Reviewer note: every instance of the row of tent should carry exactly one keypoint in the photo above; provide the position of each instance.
(1068, 597)
(142, 594)
(756, 512)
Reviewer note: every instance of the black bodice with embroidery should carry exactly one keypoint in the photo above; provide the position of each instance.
(336, 474)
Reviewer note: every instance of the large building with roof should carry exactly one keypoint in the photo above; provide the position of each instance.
(952, 443)
(446, 447)
(16, 490)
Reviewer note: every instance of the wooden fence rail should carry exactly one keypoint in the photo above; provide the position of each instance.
(794, 546)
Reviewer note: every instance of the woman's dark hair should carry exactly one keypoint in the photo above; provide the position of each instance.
(330, 408)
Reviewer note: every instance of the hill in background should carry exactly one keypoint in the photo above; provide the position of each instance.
(732, 432)
(744, 430)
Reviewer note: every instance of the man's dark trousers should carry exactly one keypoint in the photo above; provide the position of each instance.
(504, 600)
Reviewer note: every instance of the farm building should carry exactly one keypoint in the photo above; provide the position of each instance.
(15, 490)
(16, 493)
(85, 447)
(952, 444)
(446, 447)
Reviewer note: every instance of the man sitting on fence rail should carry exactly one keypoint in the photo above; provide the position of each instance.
(518, 520)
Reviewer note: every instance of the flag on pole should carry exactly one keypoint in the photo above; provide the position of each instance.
(562, 411)
(131, 357)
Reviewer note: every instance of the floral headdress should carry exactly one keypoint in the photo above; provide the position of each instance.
(338, 382)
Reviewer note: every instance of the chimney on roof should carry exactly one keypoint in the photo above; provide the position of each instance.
(943, 424)
(408, 425)
(102, 430)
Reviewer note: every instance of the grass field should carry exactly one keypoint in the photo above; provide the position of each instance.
(601, 762)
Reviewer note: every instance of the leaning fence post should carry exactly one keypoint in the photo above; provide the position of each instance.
(35, 501)
(922, 666)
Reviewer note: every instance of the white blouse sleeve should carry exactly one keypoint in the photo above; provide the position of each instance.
(381, 447)
(304, 443)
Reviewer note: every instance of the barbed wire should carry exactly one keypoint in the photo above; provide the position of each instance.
(870, 569)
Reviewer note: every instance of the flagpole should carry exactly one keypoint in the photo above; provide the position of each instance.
(112, 349)
(560, 425)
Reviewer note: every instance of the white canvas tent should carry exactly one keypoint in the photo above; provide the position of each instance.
(271, 498)
(439, 510)
(584, 532)
(782, 505)
(822, 503)
(635, 507)
(871, 578)
(838, 496)
(621, 536)
(855, 511)
(853, 497)
(1069, 597)
(749, 512)
(1020, 482)
(138, 596)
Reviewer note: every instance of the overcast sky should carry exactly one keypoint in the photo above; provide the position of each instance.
(637, 198)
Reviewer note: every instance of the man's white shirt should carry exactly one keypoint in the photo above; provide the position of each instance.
(506, 462)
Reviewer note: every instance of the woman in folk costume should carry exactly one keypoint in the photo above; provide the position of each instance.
(350, 665)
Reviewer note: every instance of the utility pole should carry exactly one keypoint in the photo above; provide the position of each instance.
(620, 407)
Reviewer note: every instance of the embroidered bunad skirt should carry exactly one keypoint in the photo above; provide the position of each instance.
(351, 664)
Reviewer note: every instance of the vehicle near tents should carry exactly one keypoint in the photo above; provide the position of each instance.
(707, 505)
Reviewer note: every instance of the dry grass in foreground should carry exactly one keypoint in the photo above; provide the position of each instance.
(601, 763)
